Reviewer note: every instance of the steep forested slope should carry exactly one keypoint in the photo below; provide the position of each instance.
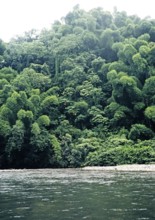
(81, 93)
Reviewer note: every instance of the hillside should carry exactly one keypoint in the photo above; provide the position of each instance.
(81, 93)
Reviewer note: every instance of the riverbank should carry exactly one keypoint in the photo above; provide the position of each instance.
(126, 167)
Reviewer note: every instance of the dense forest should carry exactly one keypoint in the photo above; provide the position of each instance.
(81, 93)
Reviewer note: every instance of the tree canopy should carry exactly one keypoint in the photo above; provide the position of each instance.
(81, 93)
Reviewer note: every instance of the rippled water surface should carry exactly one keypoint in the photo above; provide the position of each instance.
(74, 194)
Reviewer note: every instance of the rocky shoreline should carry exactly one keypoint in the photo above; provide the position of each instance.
(126, 167)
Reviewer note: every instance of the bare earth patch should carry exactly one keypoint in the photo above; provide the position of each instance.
(127, 167)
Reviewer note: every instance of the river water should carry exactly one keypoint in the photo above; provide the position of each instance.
(59, 194)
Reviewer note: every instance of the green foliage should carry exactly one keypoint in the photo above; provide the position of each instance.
(140, 131)
(35, 129)
(150, 113)
(122, 155)
(56, 148)
(43, 120)
(25, 114)
(15, 141)
(149, 90)
(29, 79)
(80, 93)
(50, 100)
(5, 128)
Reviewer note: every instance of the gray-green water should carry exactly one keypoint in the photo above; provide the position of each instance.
(75, 194)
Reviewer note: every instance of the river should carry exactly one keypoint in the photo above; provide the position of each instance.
(63, 194)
